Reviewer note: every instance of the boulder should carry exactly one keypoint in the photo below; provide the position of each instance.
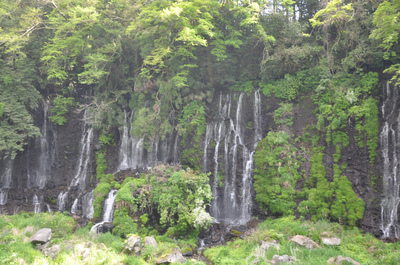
(187, 251)
(304, 241)
(265, 245)
(150, 241)
(175, 257)
(331, 241)
(52, 251)
(133, 245)
(29, 229)
(340, 259)
(42, 236)
(276, 259)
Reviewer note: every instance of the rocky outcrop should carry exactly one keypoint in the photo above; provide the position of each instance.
(174, 257)
(265, 245)
(133, 245)
(331, 241)
(304, 241)
(340, 260)
(150, 241)
(41, 237)
(276, 259)
(52, 251)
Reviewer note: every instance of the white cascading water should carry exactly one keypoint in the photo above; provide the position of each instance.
(36, 204)
(74, 207)
(84, 157)
(62, 200)
(228, 143)
(133, 154)
(390, 139)
(39, 168)
(80, 178)
(87, 205)
(5, 179)
(108, 210)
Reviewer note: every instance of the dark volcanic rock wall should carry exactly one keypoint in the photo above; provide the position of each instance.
(60, 161)
(233, 130)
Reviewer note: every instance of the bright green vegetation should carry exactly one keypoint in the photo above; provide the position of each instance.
(275, 174)
(284, 114)
(107, 248)
(191, 126)
(324, 199)
(61, 105)
(166, 60)
(106, 181)
(166, 199)
(363, 248)
(18, 98)
(102, 248)
(162, 59)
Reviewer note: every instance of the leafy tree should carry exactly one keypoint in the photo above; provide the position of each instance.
(18, 98)
(386, 20)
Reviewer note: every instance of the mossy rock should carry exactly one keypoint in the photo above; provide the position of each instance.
(236, 232)
(187, 251)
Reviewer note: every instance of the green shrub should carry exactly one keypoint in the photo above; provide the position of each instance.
(276, 173)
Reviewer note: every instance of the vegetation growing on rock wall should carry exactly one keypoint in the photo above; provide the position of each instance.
(106, 181)
(61, 106)
(276, 173)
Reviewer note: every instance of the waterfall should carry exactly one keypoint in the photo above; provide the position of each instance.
(87, 205)
(133, 153)
(109, 206)
(390, 140)
(229, 147)
(6, 167)
(62, 200)
(36, 204)
(80, 178)
(39, 167)
(84, 157)
(74, 206)
(257, 118)
(108, 210)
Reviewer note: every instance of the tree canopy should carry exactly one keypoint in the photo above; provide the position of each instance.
(157, 57)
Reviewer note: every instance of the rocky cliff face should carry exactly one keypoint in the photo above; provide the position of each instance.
(56, 172)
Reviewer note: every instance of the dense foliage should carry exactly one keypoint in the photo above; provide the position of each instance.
(164, 199)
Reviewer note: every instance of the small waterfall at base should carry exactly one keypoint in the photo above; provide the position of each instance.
(36, 204)
(6, 167)
(230, 141)
(74, 206)
(108, 210)
(390, 141)
(62, 199)
(87, 205)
